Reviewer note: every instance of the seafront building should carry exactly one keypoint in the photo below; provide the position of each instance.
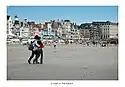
(62, 29)
(108, 30)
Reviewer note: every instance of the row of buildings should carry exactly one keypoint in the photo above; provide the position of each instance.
(62, 29)
(99, 30)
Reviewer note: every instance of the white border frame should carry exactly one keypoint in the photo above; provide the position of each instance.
(47, 83)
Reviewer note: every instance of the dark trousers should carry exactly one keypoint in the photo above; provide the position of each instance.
(41, 53)
(37, 53)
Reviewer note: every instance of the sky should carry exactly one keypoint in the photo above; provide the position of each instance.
(76, 14)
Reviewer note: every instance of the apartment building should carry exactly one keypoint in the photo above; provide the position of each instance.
(85, 31)
(108, 30)
(113, 31)
(9, 25)
(48, 32)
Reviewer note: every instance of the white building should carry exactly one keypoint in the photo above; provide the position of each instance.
(108, 30)
(24, 32)
(9, 24)
(10, 27)
(113, 31)
(47, 33)
(17, 26)
(24, 29)
(66, 29)
(49, 28)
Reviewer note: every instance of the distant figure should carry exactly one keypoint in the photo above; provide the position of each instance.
(93, 43)
(96, 43)
(87, 43)
(70, 42)
(54, 44)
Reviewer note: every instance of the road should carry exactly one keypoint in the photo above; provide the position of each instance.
(66, 62)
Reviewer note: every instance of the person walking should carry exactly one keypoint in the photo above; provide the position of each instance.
(35, 51)
(54, 43)
(87, 43)
(41, 49)
(93, 43)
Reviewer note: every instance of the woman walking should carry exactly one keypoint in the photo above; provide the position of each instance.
(41, 49)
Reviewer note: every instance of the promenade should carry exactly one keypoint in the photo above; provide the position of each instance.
(66, 62)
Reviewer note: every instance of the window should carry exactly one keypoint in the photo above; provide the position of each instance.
(104, 29)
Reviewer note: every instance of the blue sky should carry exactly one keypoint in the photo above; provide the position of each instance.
(74, 13)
